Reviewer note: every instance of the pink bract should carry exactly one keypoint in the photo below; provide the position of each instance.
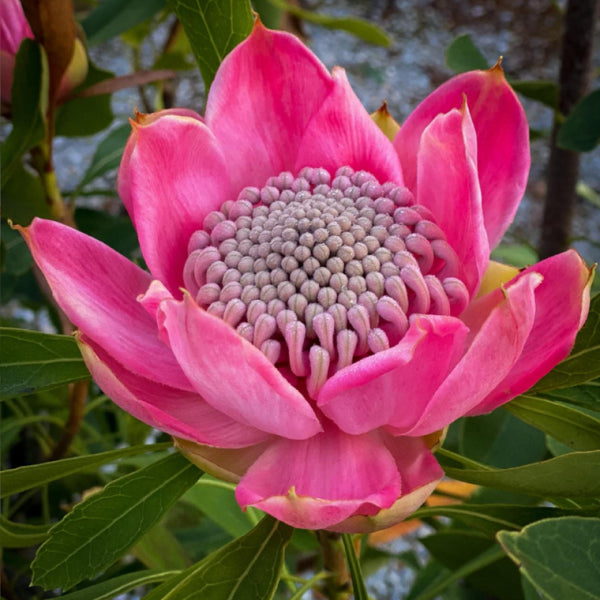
(315, 442)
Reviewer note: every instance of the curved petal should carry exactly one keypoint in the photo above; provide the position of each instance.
(499, 325)
(326, 479)
(502, 141)
(419, 472)
(172, 175)
(561, 307)
(232, 375)
(447, 184)
(263, 96)
(342, 133)
(97, 289)
(394, 386)
(176, 412)
(14, 27)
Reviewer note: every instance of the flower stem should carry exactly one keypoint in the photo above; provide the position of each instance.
(336, 587)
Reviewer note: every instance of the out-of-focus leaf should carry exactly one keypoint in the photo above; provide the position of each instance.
(17, 259)
(13, 481)
(517, 255)
(213, 29)
(588, 193)
(543, 91)
(360, 28)
(269, 14)
(23, 197)
(580, 132)
(569, 426)
(32, 361)
(107, 156)
(115, 231)
(247, 568)
(560, 557)
(29, 102)
(501, 440)
(21, 535)
(491, 518)
(113, 17)
(113, 588)
(583, 364)
(159, 549)
(463, 55)
(85, 116)
(586, 395)
(105, 525)
(114, 84)
(573, 475)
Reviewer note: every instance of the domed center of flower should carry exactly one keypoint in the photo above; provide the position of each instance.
(316, 270)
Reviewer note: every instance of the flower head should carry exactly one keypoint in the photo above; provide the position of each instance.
(311, 318)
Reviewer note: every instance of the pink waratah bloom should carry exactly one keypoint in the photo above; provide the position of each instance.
(14, 28)
(320, 301)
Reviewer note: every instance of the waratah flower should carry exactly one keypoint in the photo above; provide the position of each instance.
(14, 28)
(311, 319)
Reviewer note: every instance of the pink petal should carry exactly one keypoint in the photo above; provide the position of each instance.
(394, 386)
(500, 324)
(342, 133)
(14, 27)
(172, 175)
(561, 307)
(263, 96)
(176, 412)
(319, 482)
(502, 141)
(97, 289)
(419, 472)
(447, 184)
(232, 375)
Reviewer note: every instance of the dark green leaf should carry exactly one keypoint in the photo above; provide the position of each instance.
(559, 556)
(580, 131)
(214, 29)
(114, 230)
(569, 426)
(17, 260)
(113, 588)
(104, 526)
(247, 568)
(545, 92)
(463, 55)
(28, 107)
(113, 17)
(358, 583)
(20, 479)
(21, 535)
(491, 518)
(586, 395)
(23, 197)
(32, 361)
(583, 364)
(159, 549)
(89, 115)
(358, 27)
(573, 475)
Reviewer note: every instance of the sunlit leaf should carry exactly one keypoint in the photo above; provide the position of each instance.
(105, 525)
(247, 568)
(560, 557)
(32, 361)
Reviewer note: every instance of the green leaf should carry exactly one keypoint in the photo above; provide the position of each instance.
(491, 518)
(213, 28)
(573, 475)
(358, 584)
(247, 568)
(580, 132)
(560, 557)
(115, 231)
(463, 55)
(159, 549)
(28, 107)
(517, 255)
(540, 90)
(569, 426)
(583, 364)
(32, 361)
(17, 259)
(88, 115)
(113, 17)
(104, 526)
(13, 481)
(21, 535)
(113, 588)
(358, 27)
(586, 395)
(107, 156)
(23, 197)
